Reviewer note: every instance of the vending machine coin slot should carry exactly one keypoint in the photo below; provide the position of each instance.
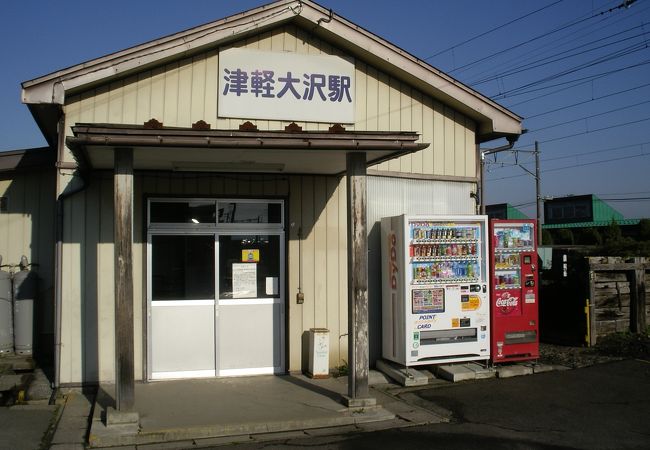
(530, 281)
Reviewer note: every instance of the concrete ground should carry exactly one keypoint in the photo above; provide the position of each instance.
(598, 407)
(606, 406)
(26, 420)
(209, 411)
(25, 427)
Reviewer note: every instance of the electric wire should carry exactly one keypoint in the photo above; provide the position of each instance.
(540, 36)
(619, 147)
(578, 81)
(577, 68)
(547, 60)
(595, 130)
(562, 108)
(535, 130)
(561, 41)
(493, 29)
(640, 155)
(503, 165)
(532, 202)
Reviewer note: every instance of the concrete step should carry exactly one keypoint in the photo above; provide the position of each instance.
(464, 371)
(515, 370)
(406, 376)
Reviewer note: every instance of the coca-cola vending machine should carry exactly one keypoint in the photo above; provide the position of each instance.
(514, 290)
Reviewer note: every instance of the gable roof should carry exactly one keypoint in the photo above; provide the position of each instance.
(46, 94)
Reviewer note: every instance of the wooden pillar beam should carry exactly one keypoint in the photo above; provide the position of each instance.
(637, 297)
(357, 282)
(123, 241)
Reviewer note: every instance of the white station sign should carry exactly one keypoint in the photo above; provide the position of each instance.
(256, 84)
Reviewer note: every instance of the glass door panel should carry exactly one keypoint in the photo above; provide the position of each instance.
(249, 266)
(182, 267)
(250, 304)
(183, 306)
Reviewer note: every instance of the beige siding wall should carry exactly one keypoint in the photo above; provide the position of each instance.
(184, 92)
(316, 233)
(27, 228)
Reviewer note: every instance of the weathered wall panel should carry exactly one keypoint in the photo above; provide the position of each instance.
(395, 196)
(316, 211)
(183, 92)
(27, 228)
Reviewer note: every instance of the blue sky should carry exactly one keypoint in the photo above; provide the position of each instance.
(578, 71)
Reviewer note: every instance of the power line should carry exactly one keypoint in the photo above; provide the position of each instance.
(547, 60)
(543, 35)
(631, 199)
(596, 151)
(595, 130)
(624, 193)
(535, 130)
(531, 54)
(574, 166)
(582, 80)
(586, 101)
(493, 29)
(594, 62)
(503, 165)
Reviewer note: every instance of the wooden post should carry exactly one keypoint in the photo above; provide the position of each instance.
(357, 282)
(637, 297)
(123, 241)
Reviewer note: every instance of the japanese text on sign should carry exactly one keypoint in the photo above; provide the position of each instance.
(262, 83)
(285, 86)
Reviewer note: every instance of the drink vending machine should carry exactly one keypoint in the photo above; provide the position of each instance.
(435, 296)
(514, 290)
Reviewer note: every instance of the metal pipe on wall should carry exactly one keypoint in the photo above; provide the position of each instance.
(58, 258)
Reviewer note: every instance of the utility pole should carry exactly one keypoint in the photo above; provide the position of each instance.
(482, 154)
(538, 194)
(536, 175)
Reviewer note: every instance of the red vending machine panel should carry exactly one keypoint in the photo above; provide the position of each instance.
(514, 291)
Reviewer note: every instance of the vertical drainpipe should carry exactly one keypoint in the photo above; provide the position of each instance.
(480, 203)
(58, 260)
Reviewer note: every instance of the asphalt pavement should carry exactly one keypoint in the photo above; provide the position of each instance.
(606, 406)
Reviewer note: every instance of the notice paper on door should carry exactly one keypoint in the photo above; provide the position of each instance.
(271, 285)
(244, 280)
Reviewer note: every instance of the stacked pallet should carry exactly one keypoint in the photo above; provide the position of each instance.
(614, 285)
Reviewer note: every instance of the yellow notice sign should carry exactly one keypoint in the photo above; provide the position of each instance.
(473, 303)
(250, 255)
(455, 322)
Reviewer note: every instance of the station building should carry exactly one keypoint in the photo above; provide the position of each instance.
(209, 197)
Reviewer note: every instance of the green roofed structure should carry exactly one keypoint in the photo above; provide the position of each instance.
(504, 211)
(579, 211)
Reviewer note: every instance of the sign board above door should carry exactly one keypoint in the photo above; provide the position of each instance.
(256, 84)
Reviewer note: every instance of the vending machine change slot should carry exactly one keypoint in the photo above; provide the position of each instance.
(520, 337)
(448, 336)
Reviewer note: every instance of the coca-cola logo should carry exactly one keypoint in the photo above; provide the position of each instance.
(506, 302)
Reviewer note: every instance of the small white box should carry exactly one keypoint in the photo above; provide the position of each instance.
(319, 353)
